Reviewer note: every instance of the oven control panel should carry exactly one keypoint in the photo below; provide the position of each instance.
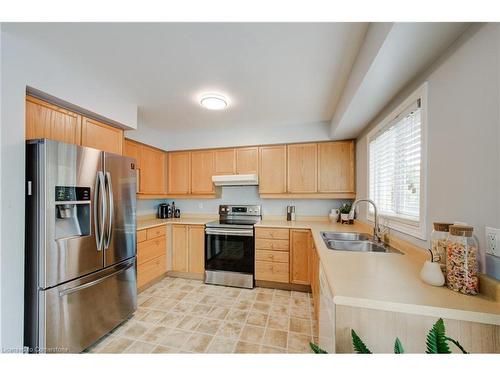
(246, 210)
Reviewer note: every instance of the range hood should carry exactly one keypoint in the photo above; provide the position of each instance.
(236, 180)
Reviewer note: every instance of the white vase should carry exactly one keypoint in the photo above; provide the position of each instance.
(344, 217)
(431, 273)
(334, 215)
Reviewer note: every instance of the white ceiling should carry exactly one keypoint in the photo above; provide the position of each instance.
(275, 74)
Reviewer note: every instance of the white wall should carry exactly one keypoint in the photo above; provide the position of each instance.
(244, 195)
(26, 64)
(463, 133)
(0, 182)
(230, 137)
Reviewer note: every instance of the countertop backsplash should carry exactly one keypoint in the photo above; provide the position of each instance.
(244, 195)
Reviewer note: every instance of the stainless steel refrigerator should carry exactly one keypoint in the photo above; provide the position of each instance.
(80, 261)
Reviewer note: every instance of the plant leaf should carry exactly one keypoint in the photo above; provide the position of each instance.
(398, 347)
(316, 349)
(358, 344)
(457, 344)
(436, 339)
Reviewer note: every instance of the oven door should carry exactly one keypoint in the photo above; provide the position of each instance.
(228, 249)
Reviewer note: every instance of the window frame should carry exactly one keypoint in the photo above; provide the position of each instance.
(396, 222)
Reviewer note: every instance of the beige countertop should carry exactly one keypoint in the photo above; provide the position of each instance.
(388, 282)
(145, 222)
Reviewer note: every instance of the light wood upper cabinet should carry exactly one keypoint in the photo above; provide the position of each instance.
(202, 170)
(44, 120)
(225, 161)
(152, 172)
(196, 249)
(180, 248)
(336, 167)
(132, 150)
(247, 160)
(101, 136)
(179, 172)
(302, 168)
(272, 169)
(299, 256)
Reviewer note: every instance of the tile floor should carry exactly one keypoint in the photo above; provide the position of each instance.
(186, 316)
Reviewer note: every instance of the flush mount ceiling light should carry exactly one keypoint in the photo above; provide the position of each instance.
(214, 102)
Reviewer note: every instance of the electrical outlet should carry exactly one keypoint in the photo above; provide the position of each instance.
(493, 241)
(200, 205)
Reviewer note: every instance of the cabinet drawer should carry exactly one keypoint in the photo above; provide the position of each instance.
(270, 271)
(271, 256)
(150, 270)
(267, 244)
(141, 235)
(156, 232)
(272, 233)
(150, 249)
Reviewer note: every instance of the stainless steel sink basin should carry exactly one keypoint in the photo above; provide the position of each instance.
(355, 242)
(346, 236)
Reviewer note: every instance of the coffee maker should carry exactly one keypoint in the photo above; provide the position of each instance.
(164, 211)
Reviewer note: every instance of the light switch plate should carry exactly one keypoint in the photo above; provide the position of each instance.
(493, 241)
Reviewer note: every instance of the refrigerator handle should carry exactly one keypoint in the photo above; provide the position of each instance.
(109, 187)
(99, 210)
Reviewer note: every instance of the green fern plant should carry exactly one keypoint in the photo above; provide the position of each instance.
(436, 342)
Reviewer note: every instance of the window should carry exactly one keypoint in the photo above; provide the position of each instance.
(396, 164)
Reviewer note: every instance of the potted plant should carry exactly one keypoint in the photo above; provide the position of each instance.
(436, 342)
(344, 213)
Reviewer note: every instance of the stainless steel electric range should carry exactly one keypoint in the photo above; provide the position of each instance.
(230, 246)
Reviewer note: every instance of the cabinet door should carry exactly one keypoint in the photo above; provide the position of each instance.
(179, 172)
(272, 169)
(247, 160)
(196, 252)
(225, 161)
(179, 248)
(44, 120)
(103, 137)
(132, 150)
(336, 167)
(152, 172)
(299, 257)
(202, 170)
(303, 168)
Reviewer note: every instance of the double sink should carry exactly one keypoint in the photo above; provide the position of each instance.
(356, 242)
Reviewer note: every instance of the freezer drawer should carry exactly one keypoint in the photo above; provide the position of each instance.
(80, 312)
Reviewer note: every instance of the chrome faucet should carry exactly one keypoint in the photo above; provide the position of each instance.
(376, 228)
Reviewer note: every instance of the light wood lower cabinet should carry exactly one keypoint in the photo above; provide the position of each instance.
(272, 255)
(104, 137)
(179, 248)
(196, 249)
(314, 278)
(299, 256)
(151, 255)
(188, 248)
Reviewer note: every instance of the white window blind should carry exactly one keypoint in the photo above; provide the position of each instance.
(395, 154)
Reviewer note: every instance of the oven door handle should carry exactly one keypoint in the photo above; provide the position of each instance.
(236, 232)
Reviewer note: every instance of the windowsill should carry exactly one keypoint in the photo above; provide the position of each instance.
(417, 230)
